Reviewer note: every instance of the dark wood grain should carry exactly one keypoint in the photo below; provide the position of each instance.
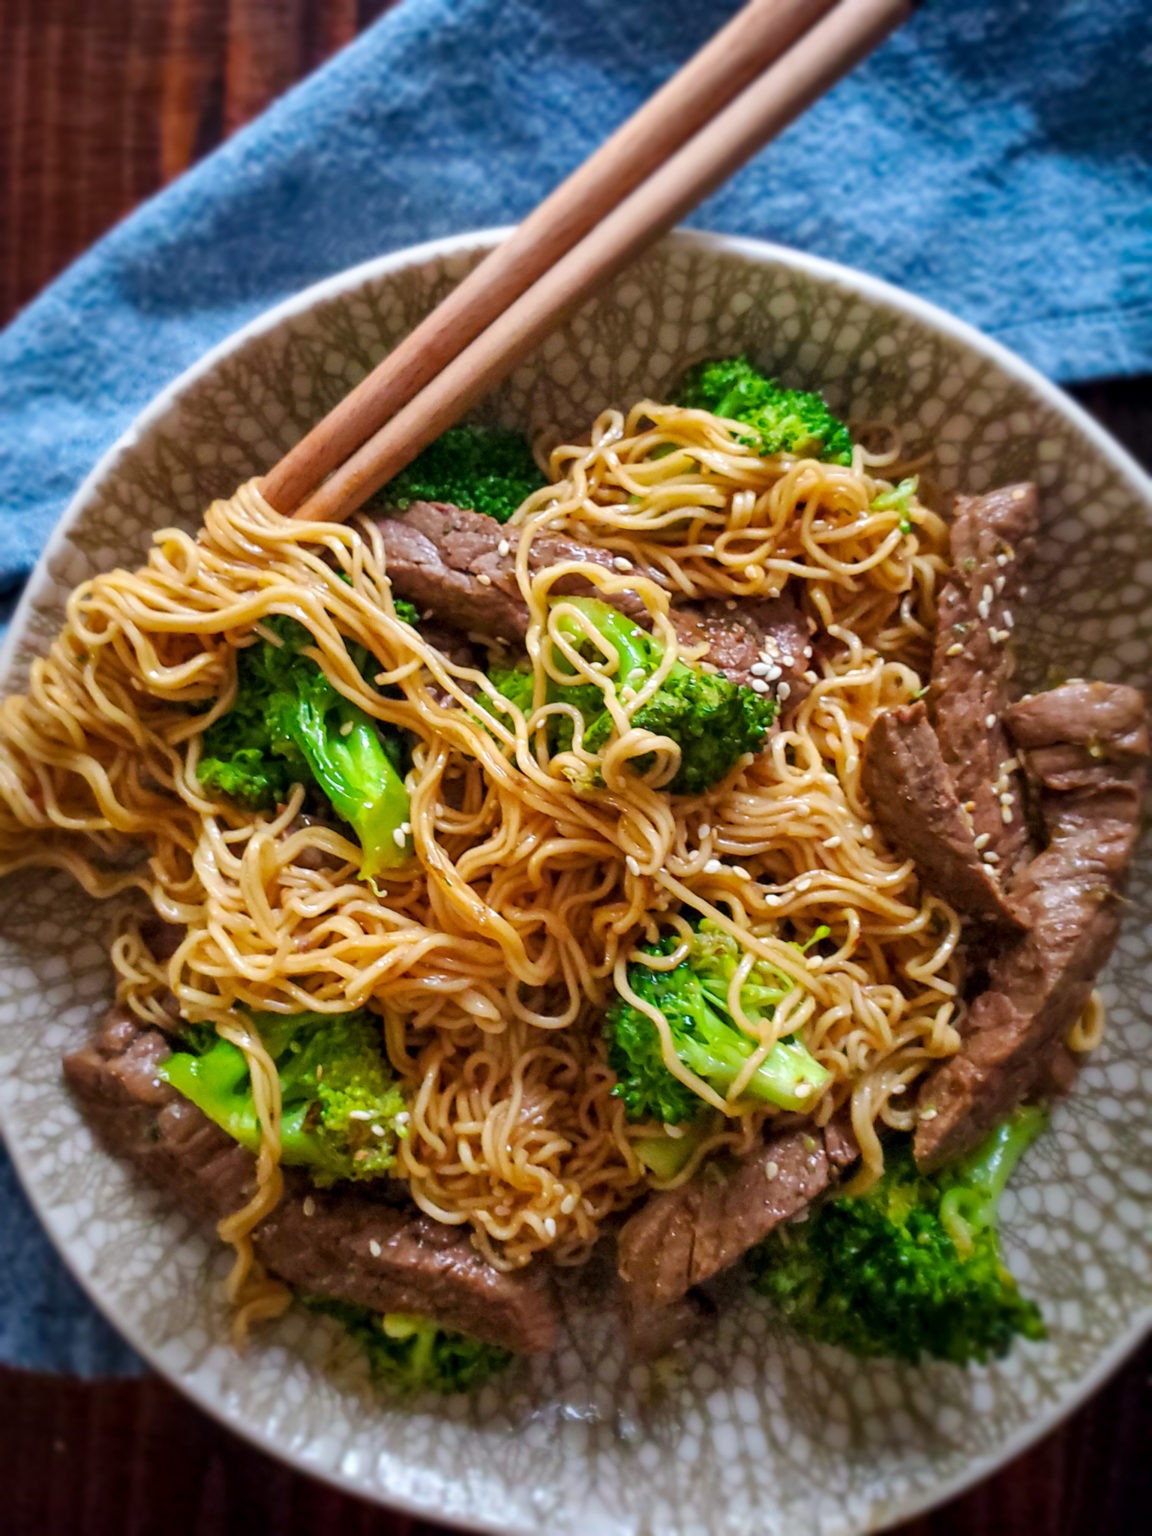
(101, 103)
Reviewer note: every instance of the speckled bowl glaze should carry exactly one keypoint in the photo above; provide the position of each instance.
(761, 1431)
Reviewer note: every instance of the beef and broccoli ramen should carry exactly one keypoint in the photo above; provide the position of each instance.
(636, 848)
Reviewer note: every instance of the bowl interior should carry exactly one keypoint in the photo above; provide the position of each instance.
(758, 1430)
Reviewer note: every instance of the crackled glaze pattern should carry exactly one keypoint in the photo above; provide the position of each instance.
(761, 1431)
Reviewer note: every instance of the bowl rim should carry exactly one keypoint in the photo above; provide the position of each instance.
(337, 284)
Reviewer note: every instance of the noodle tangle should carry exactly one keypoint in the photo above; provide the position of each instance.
(491, 956)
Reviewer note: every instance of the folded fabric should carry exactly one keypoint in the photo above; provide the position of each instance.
(996, 158)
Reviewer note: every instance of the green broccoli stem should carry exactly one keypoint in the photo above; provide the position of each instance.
(636, 651)
(217, 1082)
(789, 1076)
(970, 1205)
(343, 749)
(665, 1156)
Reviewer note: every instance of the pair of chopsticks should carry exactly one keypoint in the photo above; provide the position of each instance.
(759, 73)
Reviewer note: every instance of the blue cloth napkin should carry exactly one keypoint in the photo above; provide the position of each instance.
(995, 157)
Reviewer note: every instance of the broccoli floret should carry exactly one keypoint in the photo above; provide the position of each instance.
(782, 420)
(912, 1267)
(487, 469)
(693, 997)
(289, 725)
(411, 1353)
(713, 720)
(340, 1097)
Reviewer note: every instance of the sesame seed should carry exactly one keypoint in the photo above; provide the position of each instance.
(989, 722)
(804, 882)
(982, 841)
(1003, 558)
(955, 650)
(771, 1170)
(832, 842)
(983, 609)
(990, 857)
(704, 829)
(359, 1114)
(759, 669)
(569, 1204)
(398, 836)
(784, 691)
(741, 872)
(713, 867)
(377, 1130)
(374, 1248)
(802, 1090)
(758, 685)
(549, 1226)
(621, 563)
(999, 583)
(929, 1114)
(675, 1131)
(503, 548)
(484, 579)
(632, 864)
(309, 1206)
(1006, 815)
(403, 1117)
(866, 831)
(1006, 619)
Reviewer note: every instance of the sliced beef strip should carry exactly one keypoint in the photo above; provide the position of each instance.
(971, 665)
(448, 560)
(655, 1331)
(768, 632)
(323, 1241)
(1086, 746)
(916, 807)
(681, 1237)
(1088, 736)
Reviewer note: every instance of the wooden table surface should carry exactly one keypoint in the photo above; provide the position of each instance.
(102, 102)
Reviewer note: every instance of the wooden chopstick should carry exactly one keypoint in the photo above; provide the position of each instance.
(739, 52)
(815, 62)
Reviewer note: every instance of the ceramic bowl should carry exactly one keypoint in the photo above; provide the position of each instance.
(760, 1431)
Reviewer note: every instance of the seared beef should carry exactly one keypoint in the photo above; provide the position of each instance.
(400, 1261)
(449, 561)
(655, 1331)
(339, 1243)
(1082, 736)
(681, 1237)
(916, 807)
(768, 633)
(1086, 746)
(991, 536)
